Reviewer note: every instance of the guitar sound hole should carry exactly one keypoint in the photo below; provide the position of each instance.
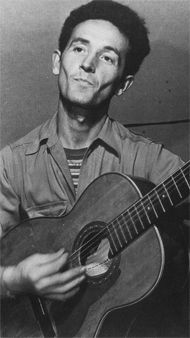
(94, 250)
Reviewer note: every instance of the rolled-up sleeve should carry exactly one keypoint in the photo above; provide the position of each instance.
(9, 200)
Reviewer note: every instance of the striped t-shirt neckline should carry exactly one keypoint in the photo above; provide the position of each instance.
(74, 159)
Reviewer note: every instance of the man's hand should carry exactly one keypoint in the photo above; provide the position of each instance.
(40, 274)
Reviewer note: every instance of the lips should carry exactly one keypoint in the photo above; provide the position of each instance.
(83, 80)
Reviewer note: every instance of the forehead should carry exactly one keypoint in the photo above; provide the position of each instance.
(101, 33)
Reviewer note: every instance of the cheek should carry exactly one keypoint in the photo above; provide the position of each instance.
(63, 77)
(109, 75)
(69, 63)
(68, 68)
(110, 82)
(66, 65)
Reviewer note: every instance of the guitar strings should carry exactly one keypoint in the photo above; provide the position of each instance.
(104, 230)
(101, 234)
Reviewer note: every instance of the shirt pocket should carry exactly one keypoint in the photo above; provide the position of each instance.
(55, 209)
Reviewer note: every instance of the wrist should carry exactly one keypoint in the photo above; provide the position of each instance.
(7, 281)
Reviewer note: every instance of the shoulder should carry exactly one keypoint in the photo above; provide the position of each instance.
(33, 136)
(131, 136)
(150, 159)
(21, 145)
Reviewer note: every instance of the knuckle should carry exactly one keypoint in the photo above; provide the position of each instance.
(37, 256)
(32, 276)
(40, 285)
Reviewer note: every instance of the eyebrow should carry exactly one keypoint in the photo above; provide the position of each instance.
(113, 49)
(86, 42)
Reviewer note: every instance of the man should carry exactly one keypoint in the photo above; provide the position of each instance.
(101, 47)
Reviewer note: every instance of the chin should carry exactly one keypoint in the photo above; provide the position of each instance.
(84, 105)
(82, 101)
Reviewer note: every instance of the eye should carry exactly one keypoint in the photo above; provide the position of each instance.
(107, 59)
(78, 49)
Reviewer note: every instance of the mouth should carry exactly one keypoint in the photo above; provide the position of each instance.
(83, 81)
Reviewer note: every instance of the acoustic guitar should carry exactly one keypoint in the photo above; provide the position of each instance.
(120, 227)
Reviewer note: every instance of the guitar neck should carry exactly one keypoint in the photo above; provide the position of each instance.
(143, 213)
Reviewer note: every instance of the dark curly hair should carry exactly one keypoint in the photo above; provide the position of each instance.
(124, 18)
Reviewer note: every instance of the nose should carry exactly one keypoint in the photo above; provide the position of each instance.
(88, 64)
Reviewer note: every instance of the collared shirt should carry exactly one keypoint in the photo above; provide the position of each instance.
(35, 177)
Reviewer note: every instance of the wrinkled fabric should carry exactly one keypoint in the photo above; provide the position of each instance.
(35, 178)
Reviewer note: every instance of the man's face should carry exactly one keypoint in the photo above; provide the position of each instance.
(92, 64)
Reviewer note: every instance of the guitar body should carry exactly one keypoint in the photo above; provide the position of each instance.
(114, 282)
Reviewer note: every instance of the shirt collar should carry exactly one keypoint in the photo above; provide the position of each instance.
(48, 133)
(108, 135)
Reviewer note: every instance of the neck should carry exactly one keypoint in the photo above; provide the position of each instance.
(78, 126)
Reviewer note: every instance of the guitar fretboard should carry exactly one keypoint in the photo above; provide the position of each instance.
(142, 214)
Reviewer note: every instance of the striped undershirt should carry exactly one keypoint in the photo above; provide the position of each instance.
(74, 159)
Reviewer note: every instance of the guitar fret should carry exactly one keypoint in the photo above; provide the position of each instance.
(153, 206)
(179, 193)
(139, 217)
(113, 242)
(133, 223)
(160, 202)
(185, 178)
(117, 235)
(121, 228)
(129, 231)
(168, 194)
(146, 213)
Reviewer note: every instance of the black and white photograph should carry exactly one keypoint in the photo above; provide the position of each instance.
(94, 168)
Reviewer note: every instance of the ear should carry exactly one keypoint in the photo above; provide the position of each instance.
(56, 58)
(126, 84)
